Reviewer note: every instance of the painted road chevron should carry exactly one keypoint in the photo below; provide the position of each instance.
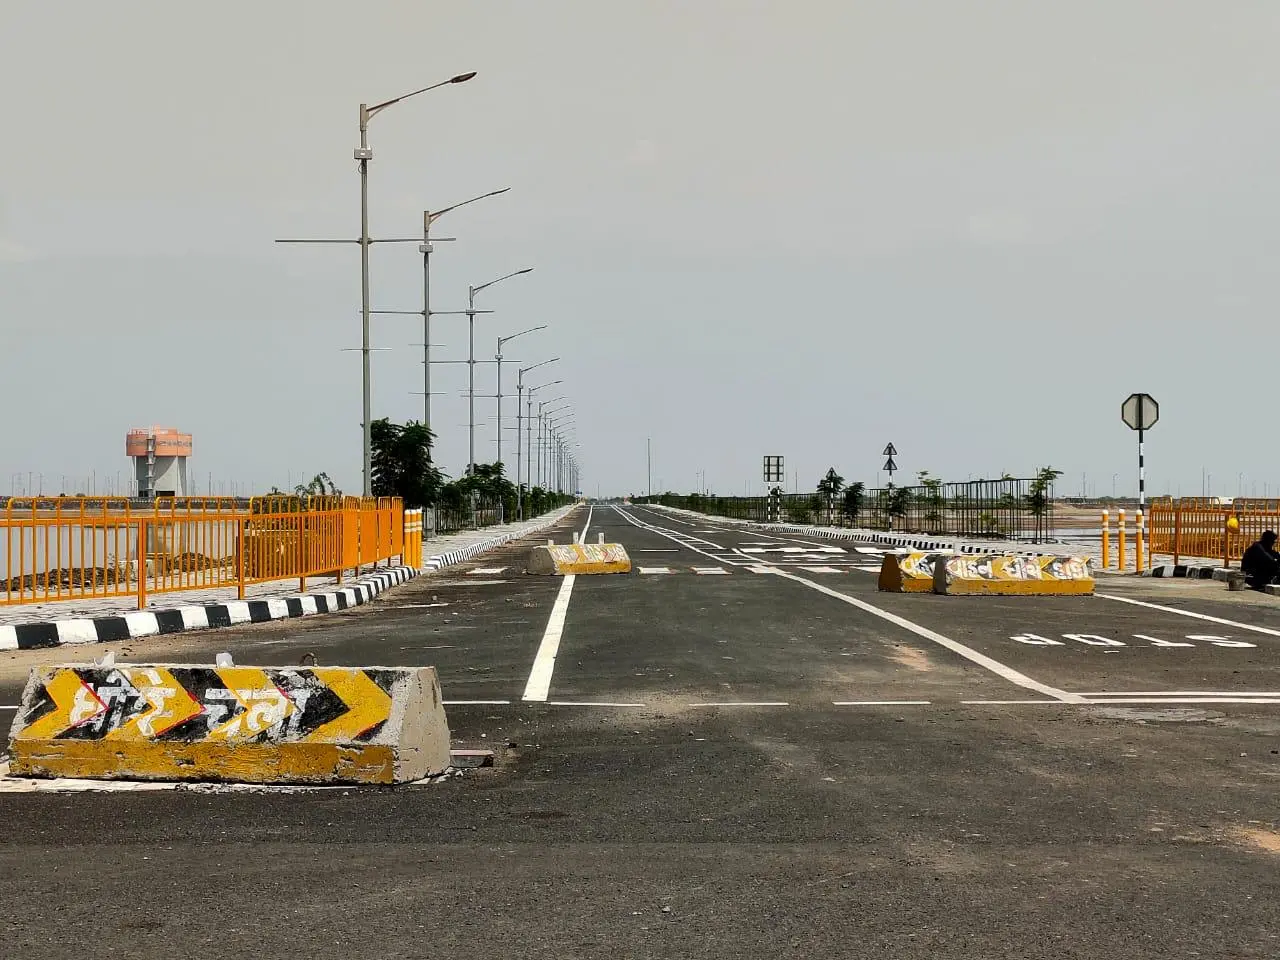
(368, 704)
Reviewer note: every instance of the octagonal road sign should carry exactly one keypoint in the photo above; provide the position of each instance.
(1140, 411)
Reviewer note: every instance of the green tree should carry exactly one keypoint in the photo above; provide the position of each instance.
(319, 486)
(829, 488)
(854, 495)
(935, 507)
(1039, 498)
(401, 461)
(897, 500)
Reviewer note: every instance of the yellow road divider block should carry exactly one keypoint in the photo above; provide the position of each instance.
(909, 572)
(232, 723)
(579, 558)
(1007, 575)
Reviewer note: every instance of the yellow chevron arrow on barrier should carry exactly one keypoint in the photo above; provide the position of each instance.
(264, 703)
(75, 703)
(170, 704)
(369, 705)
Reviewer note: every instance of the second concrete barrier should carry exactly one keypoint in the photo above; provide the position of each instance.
(1008, 575)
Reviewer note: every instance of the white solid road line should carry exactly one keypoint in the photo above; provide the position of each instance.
(1111, 700)
(583, 538)
(981, 659)
(1191, 613)
(1184, 693)
(544, 663)
(995, 702)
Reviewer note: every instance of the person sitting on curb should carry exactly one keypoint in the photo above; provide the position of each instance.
(1260, 563)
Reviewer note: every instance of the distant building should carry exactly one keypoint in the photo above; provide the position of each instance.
(160, 461)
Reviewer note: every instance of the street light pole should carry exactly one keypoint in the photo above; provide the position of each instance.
(363, 155)
(543, 444)
(519, 419)
(529, 430)
(501, 341)
(428, 218)
(471, 364)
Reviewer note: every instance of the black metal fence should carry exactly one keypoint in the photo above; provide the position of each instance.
(990, 509)
(452, 516)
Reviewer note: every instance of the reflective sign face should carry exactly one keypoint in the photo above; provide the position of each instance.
(773, 469)
(1140, 411)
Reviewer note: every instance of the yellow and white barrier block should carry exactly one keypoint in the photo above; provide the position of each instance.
(579, 558)
(910, 572)
(1008, 575)
(231, 723)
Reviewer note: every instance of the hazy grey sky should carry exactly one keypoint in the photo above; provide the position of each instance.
(806, 228)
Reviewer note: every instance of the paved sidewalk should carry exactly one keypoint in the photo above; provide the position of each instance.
(437, 552)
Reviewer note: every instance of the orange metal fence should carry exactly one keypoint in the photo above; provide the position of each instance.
(1199, 526)
(73, 548)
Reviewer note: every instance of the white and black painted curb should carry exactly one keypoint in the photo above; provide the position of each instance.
(149, 623)
(451, 557)
(1183, 570)
(925, 544)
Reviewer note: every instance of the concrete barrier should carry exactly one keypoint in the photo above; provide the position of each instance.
(910, 572)
(579, 558)
(1006, 575)
(231, 723)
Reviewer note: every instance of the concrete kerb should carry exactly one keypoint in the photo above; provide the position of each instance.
(148, 623)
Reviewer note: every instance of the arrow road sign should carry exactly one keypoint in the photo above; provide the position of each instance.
(1140, 411)
(890, 451)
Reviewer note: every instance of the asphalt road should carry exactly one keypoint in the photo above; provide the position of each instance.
(770, 760)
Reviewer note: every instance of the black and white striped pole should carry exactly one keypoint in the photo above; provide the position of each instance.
(1140, 412)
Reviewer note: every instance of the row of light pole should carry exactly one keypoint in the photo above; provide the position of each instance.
(363, 154)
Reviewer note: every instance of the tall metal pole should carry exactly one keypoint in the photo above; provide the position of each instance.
(471, 381)
(528, 437)
(648, 449)
(426, 318)
(499, 392)
(519, 486)
(363, 154)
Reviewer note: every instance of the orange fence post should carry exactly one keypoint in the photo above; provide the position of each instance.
(1177, 533)
(1106, 540)
(242, 528)
(1120, 537)
(141, 554)
(302, 553)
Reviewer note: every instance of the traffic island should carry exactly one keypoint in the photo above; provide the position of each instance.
(224, 723)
